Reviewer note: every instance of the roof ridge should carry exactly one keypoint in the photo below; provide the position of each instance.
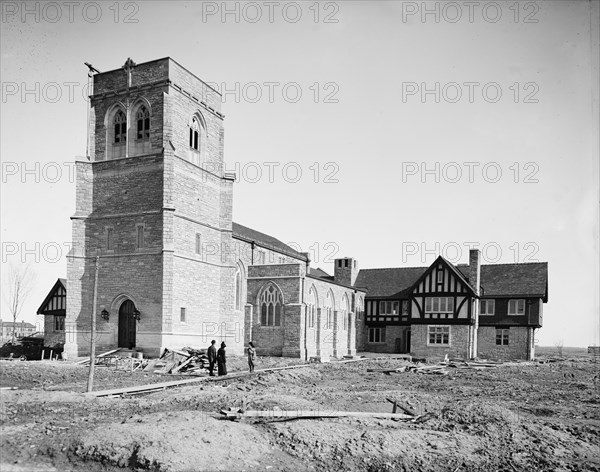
(513, 263)
(389, 268)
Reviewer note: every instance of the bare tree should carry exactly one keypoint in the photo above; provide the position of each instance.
(559, 347)
(18, 287)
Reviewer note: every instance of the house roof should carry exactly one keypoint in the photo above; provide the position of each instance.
(390, 282)
(264, 240)
(499, 280)
(529, 279)
(60, 281)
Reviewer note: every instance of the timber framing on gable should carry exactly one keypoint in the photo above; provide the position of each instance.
(442, 294)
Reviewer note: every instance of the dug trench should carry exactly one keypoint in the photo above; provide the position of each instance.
(522, 416)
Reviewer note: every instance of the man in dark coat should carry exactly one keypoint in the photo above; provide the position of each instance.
(221, 361)
(212, 357)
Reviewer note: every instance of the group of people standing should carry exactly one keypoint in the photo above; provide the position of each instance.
(218, 357)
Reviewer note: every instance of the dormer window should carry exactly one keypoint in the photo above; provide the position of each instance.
(195, 134)
(120, 123)
(143, 123)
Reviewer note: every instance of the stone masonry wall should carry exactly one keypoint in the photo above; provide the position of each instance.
(517, 343)
(459, 343)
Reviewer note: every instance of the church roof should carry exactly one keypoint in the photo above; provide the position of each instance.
(320, 273)
(497, 280)
(264, 240)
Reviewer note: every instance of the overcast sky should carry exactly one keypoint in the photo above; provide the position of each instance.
(386, 131)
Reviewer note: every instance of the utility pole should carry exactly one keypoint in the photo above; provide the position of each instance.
(90, 383)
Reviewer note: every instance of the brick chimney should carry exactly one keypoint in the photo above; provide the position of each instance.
(475, 269)
(345, 271)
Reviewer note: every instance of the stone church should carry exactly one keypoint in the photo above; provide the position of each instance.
(153, 238)
(153, 220)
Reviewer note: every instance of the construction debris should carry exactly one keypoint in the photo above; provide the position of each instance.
(184, 361)
(445, 367)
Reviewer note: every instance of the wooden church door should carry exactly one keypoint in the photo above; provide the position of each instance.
(127, 325)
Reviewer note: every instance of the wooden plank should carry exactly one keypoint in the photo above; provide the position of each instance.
(314, 414)
(84, 361)
(176, 383)
(405, 409)
(182, 365)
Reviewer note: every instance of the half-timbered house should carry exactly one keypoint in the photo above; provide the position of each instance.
(461, 311)
(54, 309)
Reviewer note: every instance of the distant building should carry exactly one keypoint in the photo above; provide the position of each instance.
(594, 350)
(20, 328)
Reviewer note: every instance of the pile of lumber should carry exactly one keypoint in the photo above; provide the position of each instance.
(442, 368)
(185, 361)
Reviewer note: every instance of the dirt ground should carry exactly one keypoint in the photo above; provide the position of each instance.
(522, 417)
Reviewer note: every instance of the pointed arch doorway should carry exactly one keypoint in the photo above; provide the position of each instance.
(127, 325)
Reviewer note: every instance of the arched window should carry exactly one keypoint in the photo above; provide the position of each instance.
(311, 307)
(329, 308)
(271, 306)
(120, 126)
(195, 134)
(238, 289)
(359, 308)
(143, 123)
(344, 309)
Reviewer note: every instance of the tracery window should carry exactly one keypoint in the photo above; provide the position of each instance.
(271, 306)
(143, 123)
(120, 124)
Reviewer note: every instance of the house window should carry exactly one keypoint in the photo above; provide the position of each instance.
(140, 237)
(516, 307)
(438, 335)
(440, 275)
(194, 134)
(487, 307)
(439, 305)
(377, 335)
(182, 315)
(405, 307)
(502, 337)
(271, 305)
(389, 308)
(59, 323)
(345, 262)
(143, 123)
(120, 124)
(109, 239)
(198, 245)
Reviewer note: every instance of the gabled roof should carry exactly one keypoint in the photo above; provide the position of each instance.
(527, 280)
(59, 282)
(264, 240)
(320, 273)
(497, 280)
(452, 268)
(392, 282)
